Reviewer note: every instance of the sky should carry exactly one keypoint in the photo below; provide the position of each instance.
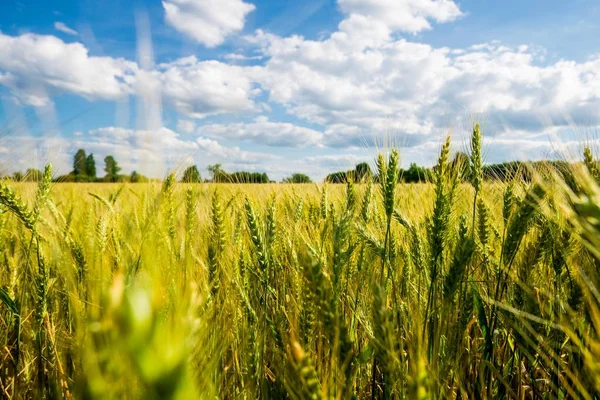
(283, 86)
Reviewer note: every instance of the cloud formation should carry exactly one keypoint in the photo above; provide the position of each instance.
(201, 88)
(207, 21)
(403, 15)
(369, 88)
(262, 131)
(37, 67)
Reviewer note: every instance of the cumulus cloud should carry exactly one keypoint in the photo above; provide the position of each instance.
(362, 89)
(201, 88)
(234, 155)
(207, 21)
(62, 27)
(263, 131)
(337, 162)
(403, 15)
(35, 67)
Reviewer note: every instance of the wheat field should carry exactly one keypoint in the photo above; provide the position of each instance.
(458, 288)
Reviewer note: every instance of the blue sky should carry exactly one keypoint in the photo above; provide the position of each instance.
(289, 86)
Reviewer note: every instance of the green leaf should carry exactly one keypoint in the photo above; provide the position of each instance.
(481, 317)
(10, 303)
(366, 354)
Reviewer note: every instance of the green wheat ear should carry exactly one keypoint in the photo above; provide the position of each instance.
(12, 202)
(306, 372)
(216, 244)
(390, 182)
(42, 192)
(366, 203)
(169, 207)
(476, 159)
(323, 204)
(256, 235)
(460, 262)
(590, 163)
(350, 196)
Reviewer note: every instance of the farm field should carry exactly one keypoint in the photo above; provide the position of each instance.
(299, 200)
(452, 289)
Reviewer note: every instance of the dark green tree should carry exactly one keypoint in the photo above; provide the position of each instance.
(362, 172)
(191, 175)
(247, 177)
(338, 177)
(137, 178)
(218, 175)
(90, 166)
(298, 178)
(80, 166)
(415, 174)
(111, 168)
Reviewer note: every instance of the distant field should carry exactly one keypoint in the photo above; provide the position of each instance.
(300, 291)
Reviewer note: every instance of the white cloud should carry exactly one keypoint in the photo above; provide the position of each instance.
(338, 161)
(263, 131)
(403, 15)
(233, 156)
(35, 67)
(207, 21)
(201, 88)
(241, 57)
(371, 88)
(61, 26)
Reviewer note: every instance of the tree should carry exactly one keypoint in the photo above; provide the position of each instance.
(79, 162)
(337, 177)
(90, 166)
(416, 174)
(79, 165)
(216, 172)
(362, 171)
(135, 177)
(247, 177)
(111, 168)
(17, 176)
(298, 178)
(191, 175)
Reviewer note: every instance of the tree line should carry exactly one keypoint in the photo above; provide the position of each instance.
(505, 171)
(84, 170)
